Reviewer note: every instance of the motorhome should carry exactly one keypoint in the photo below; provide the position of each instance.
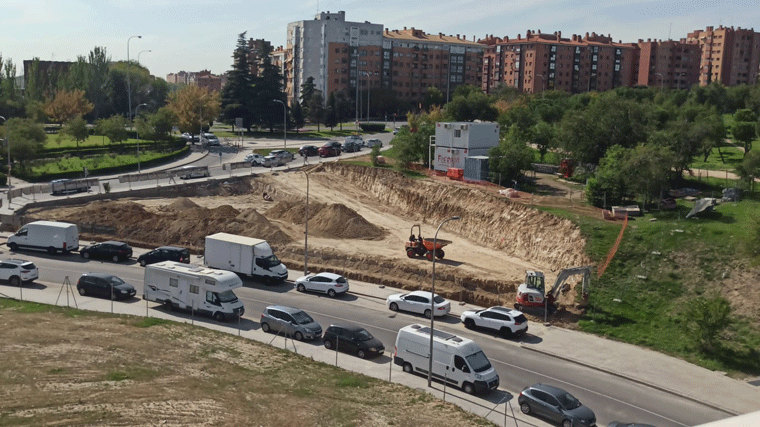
(457, 361)
(51, 236)
(193, 287)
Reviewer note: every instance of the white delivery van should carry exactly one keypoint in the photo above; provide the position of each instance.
(456, 360)
(193, 287)
(244, 255)
(50, 236)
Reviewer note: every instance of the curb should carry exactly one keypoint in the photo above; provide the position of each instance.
(632, 379)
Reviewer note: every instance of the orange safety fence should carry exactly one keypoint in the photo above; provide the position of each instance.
(613, 250)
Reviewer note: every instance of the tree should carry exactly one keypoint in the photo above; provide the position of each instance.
(99, 82)
(267, 87)
(308, 90)
(647, 169)
(413, 142)
(162, 122)
(511, 158)
(433, 96)
(114, 128)
(26, 139)
(744, 128)
(475, 106)
(193, 106)
(749, 168)
(608, 185)
(345, 107)
(237, 93)
(77, 129)
(296, 114)
(705, 318)
(543, 138)
(67, 105)
(315, 109)
(331, 112)
(34, 90)
(708, 128)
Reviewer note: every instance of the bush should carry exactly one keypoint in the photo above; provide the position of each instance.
(706, 318)
(3, 179)
(107, 187)
(375, 153)
(372, 127)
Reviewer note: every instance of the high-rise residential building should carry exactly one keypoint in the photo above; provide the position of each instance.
(668, 64)
(729, 56)
(413, 61)
(541, 62)
(255, 47)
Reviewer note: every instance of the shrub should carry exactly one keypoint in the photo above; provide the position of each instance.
(374, 154)
(3, 179)
(372, 127)
(107, 187)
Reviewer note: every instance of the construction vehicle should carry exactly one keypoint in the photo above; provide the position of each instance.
(532, 294)
(419, 246)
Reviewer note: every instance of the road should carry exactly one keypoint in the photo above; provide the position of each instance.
(611, 397)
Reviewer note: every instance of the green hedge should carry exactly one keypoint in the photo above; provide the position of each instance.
(372, 127)
(114, 170)
(125, 148)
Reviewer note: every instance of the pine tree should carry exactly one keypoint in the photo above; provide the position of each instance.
(268, 88)
(237, 94)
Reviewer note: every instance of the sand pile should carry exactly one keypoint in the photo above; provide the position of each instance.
(335, 221)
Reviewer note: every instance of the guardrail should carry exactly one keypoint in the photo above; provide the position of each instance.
(236, 165)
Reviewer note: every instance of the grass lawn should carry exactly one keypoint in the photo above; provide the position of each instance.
(57, 141)
(732, 156)
(69, 164)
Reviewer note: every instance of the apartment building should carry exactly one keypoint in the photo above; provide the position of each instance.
(413, 61)
(542, 61)
(668, 64)
(729, 56)
(202, 78)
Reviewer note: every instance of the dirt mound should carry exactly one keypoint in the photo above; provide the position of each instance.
(341, 222)
(293, 212)
(182, 204)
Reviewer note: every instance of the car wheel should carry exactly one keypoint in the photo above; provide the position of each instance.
(85, 255)
(51, 250)
(428, 313)
(469, 323)
(219, 316)
(394, 306)
(468, 388)
(168, 305)
(15, 281)
(506, 332)
(328, 344)
(411, 253)
(360, 354)
(298, 336)
(82, 291)
(525, 408)
(408, 368)
(331, 293)
(301, 287)
(265, 327)
(567, 423)
(13, 247)
(429, 256)
(116, 258)
(143, 263)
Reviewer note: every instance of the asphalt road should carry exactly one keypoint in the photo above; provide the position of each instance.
(611, 397)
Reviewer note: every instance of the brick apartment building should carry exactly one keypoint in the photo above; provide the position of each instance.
(550, 62)
(729, 56)
(668, 64)
(202, 78)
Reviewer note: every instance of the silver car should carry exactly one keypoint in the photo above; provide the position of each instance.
(290, 322)
(284, 155)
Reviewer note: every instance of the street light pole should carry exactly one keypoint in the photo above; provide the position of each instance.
(7, 141)
(137, 111)
(661, 79)
(306, 235)
(543, 84)
(129, 84)
(432, 299)
(284, 122)
(138, 56)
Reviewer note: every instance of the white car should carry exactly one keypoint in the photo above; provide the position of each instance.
(187, 172)
(254, 159)
(372, 142)
(418, 302)
(506, 321)
(210, 140)
(18, 271)
(356, 139)
(284, 155)
(326, 283)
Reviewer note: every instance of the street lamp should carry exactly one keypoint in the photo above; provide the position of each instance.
(284, 122)
(138, 56)
(137, 111)
(543, 84)
(7, 141)
(661, 79)
(432, 298)
(306, 235)
(129, 88)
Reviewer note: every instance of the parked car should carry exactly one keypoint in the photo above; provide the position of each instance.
(556, 405)
(351, 146)
(104, 285)
(308, 151)
(332, 148)
(326, 283)
(115, 251)
(271, 161)
(284, 155)
(210, 140)
(290, 322)
(18, 271)
(187, 172)
(418, 302)
(508, 322)
(254, 159)
(189, 138)
(62, 186)
(355, 139)
(372, 142)
(353, 340)
(621, 424)
(165, 253)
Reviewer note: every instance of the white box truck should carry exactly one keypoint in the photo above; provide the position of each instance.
(193, 287)
(51, 236)
(456, 360)
(244, 255)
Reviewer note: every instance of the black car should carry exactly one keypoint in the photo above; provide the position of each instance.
(332, 148)
(308, 151)
(556, 405)
(116, 251)
(352, 340)
(165, 253)
(104, 285)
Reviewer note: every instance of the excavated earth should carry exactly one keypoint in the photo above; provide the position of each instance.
(359, 219)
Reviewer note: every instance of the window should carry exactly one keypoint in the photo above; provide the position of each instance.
(212, 298)
(194, 289)
(173, 283)
(460, 364)
(457, 133)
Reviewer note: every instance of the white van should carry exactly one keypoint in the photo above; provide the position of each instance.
(194, 287)
(50, 236)
(456, 360)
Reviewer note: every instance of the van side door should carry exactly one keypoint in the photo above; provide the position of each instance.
(461, 371)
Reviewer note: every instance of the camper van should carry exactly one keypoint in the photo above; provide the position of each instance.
(53, 237)
(193, 287)
(456, 360)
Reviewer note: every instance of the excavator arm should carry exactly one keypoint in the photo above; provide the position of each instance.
(564, 275)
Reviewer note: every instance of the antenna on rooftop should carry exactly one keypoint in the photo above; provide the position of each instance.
(670, 29)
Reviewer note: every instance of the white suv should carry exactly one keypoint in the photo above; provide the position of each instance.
(18, 271)
(506, 321)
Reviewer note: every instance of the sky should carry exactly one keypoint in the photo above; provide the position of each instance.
(194, 35)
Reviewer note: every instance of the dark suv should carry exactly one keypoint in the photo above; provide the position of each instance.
(165, 253)
(556, 405)
(105, 286)
(353, 340)
(116, 251)
(330, 149)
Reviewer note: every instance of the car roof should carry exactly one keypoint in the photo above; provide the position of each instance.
(173, 248)
(421, 293)
(352, 328)
(329, 275)
(100, 275)
(286, 309)
(114, 242)
(554, 391)
(506, 310)
(15, 261)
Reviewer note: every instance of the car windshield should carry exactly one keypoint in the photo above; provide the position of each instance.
(115, 281)
(438, 299)
(302, 318)
(568, 401)
(270, 261)
(227, 296)
(478, 362)
(341, 279)
(363, 335)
